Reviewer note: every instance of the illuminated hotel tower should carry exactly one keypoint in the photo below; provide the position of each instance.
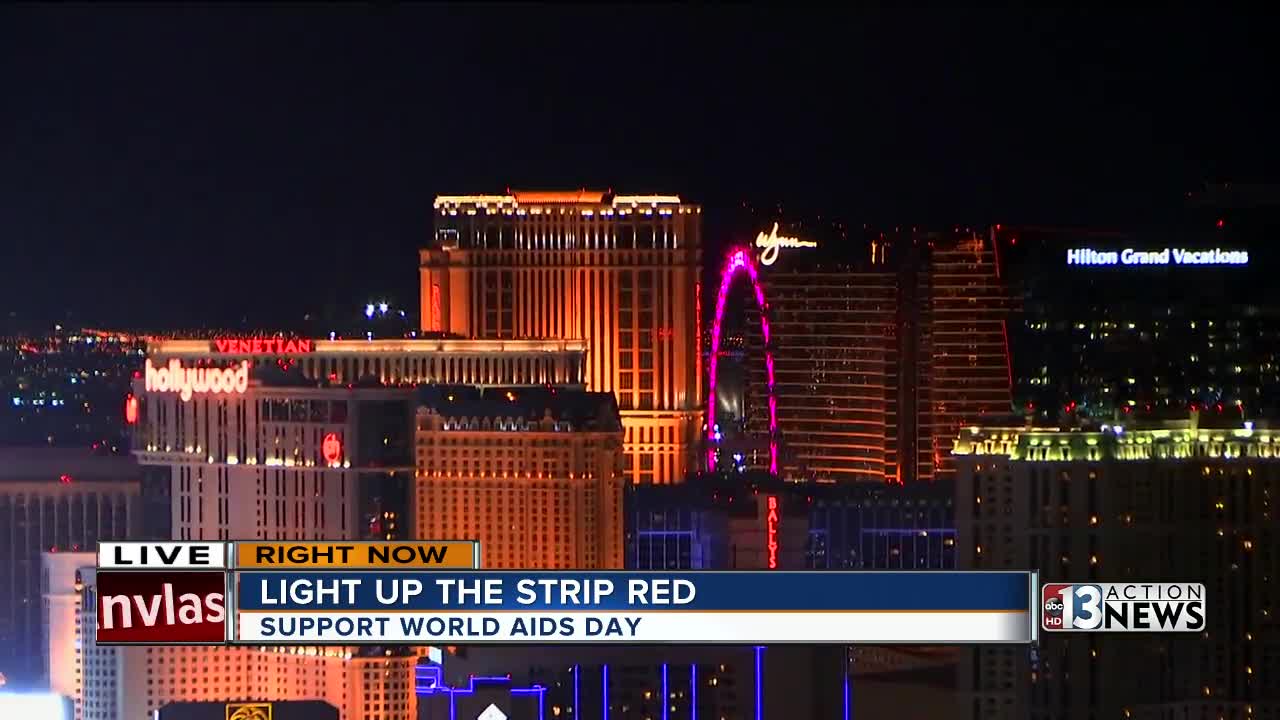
(531, 473)
(265, 438)
(963, 340)
(618, 271)
(879, 364)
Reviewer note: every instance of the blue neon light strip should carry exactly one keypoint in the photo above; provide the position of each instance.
(666, 705)
(846, 693)
(429, 680)
(604, 683)
(577, 699)
(693, 691)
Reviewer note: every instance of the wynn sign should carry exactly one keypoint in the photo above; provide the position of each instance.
(770, 244)
(188, 381)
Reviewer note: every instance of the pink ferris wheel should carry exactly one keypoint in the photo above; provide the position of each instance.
(739, 261)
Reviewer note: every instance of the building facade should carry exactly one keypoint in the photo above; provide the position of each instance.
(60, 590)
(835, 346)
(1117, 341)
(124, 682)
(534, 474)
(883, 348)
(1176, 502)
(619, 272)
(52, 500)
(640, 682)
(745, 521)
(288, 438)
(445, 360)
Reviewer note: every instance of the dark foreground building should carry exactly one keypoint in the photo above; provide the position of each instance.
(1184, 501)
(1167, 319)
(756, 521)
(249, 710)
(53, 500)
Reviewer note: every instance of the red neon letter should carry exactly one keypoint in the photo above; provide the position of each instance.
(772, 530)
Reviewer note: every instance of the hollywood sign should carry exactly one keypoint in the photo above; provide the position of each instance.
(188, 382)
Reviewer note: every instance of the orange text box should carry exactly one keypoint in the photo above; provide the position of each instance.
(447, 554)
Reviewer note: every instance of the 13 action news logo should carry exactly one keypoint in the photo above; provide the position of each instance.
(1123, 607)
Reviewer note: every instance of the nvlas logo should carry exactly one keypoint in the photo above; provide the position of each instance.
(1123, 607)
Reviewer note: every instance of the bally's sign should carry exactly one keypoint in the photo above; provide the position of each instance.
(1167, 256)
(187, 382)
(771, 244)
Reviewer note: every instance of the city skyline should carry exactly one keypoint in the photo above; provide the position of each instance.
(751, 311)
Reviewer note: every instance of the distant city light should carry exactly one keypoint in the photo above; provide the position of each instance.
(368, 310)
(33, 705)
(382, 308)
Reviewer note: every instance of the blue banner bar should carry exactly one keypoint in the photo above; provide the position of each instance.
(766, 591)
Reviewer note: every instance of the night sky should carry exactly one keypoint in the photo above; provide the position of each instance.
(209, 166)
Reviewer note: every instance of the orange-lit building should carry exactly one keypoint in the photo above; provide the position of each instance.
(134, 681)
(619, 272)
(836, 364)
(533, 474)
(963, 336)
(880, 358)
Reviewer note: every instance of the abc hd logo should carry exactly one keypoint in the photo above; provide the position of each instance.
(1123, 607)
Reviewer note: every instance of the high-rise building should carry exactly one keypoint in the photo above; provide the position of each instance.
(1185, 501)
(963, 353)
(1115, 338)
(134, 682)
(60, 588)
(882, 348)
(52, 500)
(287, 438)
(620, 272)
(835, 349)
(534, 474)
(745, 521)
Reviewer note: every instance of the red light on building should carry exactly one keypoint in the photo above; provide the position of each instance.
(331, 449)
(131, 410)
(572, 196)
(262, 346)
(436, 321)
(1221, 222)
(64, 479)
(771, 530)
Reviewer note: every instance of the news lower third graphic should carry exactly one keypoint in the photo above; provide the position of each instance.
(347, 593)
(1123, 607)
